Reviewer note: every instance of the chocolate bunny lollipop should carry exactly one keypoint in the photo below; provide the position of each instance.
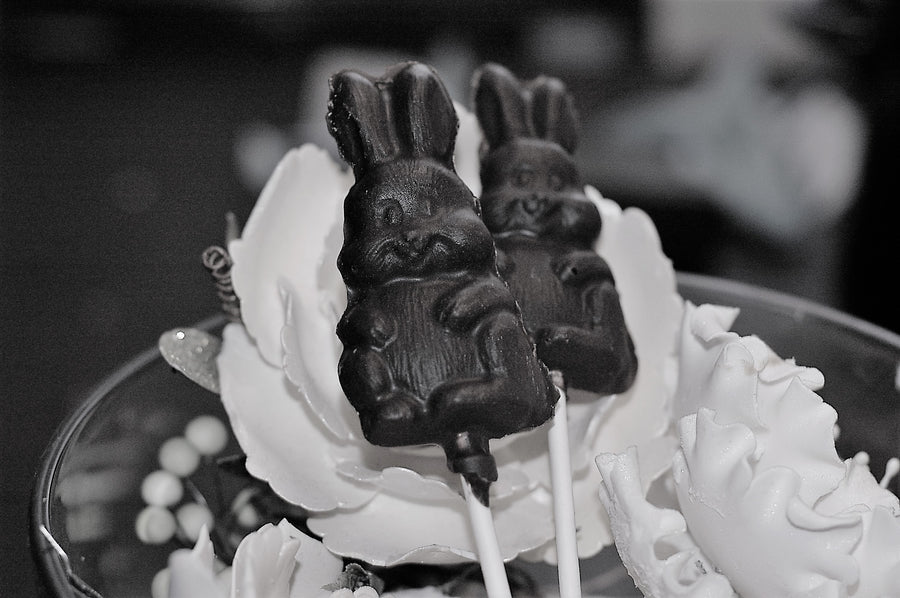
(435, 351)
(544, 227)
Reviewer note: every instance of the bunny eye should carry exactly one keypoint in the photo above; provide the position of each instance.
(523, 176)
(555, 181)
(390, 212)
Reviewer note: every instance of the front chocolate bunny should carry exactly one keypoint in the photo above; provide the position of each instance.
(544, 227)
(435, 350)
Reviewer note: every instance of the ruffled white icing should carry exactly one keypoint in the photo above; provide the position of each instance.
(764, 503)
(278, 375)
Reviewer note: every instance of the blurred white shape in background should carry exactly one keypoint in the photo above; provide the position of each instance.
(781, 160)
(681, 33)
(781, 163)
(566, 43)
(743, 112)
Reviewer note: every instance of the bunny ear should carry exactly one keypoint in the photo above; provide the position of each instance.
(358, 121)
(423, 113)
(553, 112)
(500, 106)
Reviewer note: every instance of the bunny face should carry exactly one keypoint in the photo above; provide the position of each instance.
(411, 219)
(532, 186)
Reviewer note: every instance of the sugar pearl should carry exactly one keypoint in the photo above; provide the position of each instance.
(162, 489)
(192, 517)
(159, 587)
(245, 514)
(365, 592)
(207, 433)
(248, 517)
(155, 525)
(179, 456)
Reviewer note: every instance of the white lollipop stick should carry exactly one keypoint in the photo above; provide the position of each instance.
(563, 502)
(486, 542)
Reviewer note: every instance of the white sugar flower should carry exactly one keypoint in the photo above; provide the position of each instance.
(763, 506)
(279, 385)
(272, 562)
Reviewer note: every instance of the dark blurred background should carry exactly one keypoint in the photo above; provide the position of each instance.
(758, 135)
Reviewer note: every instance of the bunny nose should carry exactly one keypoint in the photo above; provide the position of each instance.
(533, 204)
(415, 239)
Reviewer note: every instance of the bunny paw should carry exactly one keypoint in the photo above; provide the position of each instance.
(398, 406)
(580, 266)
(463, 307)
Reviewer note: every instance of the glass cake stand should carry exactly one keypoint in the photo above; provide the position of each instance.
(87, 492)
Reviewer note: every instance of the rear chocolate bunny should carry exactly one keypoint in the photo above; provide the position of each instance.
(544, 227)
(435, 350)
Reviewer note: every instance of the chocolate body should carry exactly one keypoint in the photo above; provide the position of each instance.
(435, 349)
(544, 228)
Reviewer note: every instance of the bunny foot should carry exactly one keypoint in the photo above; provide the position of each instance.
(588, 359)
(392, 420)
(487, 403)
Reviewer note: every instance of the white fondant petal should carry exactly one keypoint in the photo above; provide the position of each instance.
(771, 476)
(654, 545)
(652, 307)
(391, 530)
(800, 435)
(290, 234)
(316, 567)
(878, 554)
(858, 491)
(284, 442)
(264, 563)
(466, 158)
(312, 367)
(191, 572)
(401, 481)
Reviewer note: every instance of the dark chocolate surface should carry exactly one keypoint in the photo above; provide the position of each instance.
(435, 350)
(544, 227)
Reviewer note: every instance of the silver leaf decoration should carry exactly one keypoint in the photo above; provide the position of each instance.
(193, 353)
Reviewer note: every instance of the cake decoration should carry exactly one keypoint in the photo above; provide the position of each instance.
(712, 438)
(760, 504)
(435, 351)
(276, 561)
(192, 352)
(544, 227)
(715, 438)
(278, 372)
(217, 261)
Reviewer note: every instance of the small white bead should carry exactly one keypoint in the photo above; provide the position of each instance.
(207, 433)
(245, 513)
(179, 456)
(162, 488)
(365, 592)
(248, 517)
(159, 587)
(155, 525)
(192, 517)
